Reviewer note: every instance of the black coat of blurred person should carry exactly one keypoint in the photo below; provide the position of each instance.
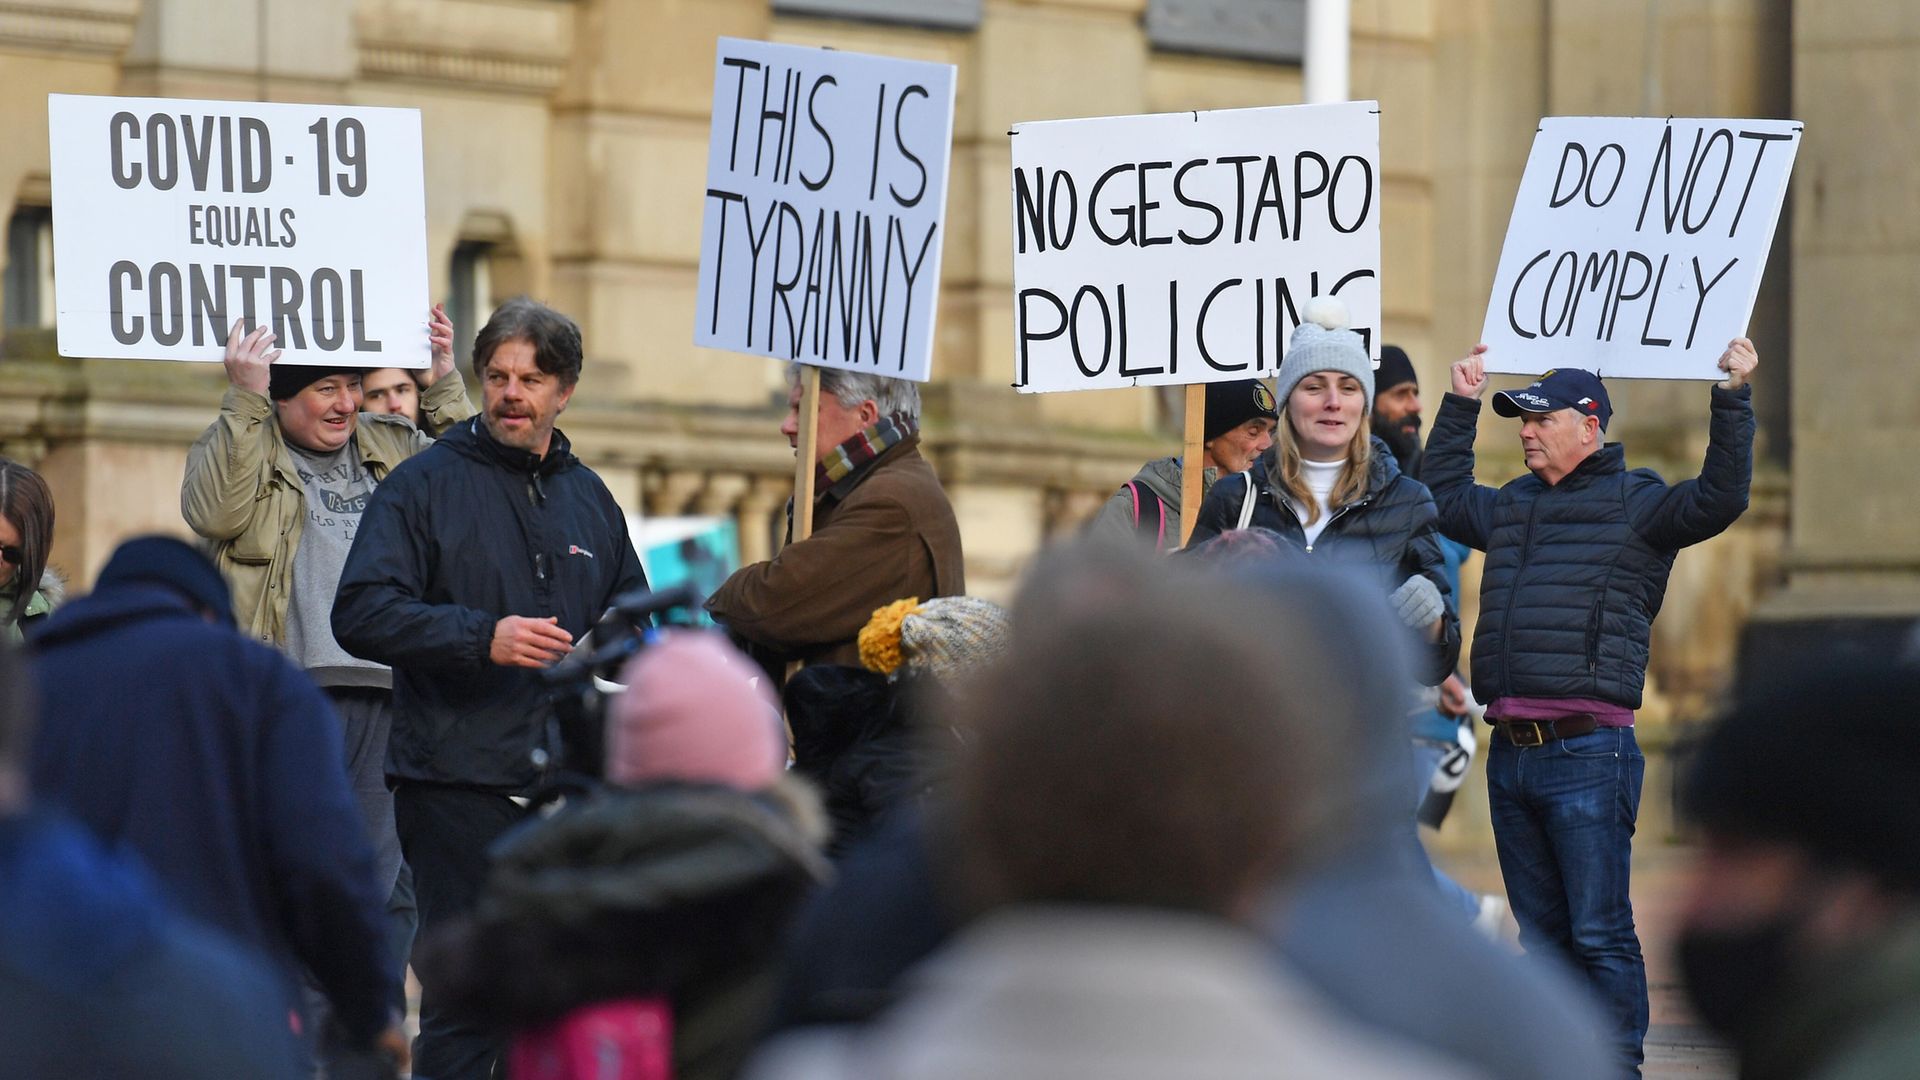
(1800, 937)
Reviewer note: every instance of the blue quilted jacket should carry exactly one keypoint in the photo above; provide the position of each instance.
(1576, 571)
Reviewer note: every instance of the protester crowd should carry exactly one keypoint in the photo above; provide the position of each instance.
(1156, 818)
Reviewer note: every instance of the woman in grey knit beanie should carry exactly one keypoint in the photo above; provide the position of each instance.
(1330, 489)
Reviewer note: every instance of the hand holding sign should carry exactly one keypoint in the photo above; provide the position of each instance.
(1184, 247)
(440, 333)
(250, 358)
(1738, 362)
(1470, 374)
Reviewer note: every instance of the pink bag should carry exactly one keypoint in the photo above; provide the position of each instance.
(628, 1039)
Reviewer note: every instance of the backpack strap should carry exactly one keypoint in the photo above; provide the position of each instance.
(1154, 524)
(1247, 502)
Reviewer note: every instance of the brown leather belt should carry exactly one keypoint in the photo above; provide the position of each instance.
(1538, 732)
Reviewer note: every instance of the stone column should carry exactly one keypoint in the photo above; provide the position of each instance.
(761, 514)
(1854, 549)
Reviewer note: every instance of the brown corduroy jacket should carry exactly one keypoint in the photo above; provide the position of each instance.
(884, 533)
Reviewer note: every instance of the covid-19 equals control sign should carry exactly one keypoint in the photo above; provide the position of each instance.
(174, 218)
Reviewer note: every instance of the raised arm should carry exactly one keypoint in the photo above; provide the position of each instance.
(230, 460)
(1705, 506)
(443, 395)
(1465, 508)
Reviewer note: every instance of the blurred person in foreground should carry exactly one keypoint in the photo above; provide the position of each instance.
(654, 907)
(1800, 937)
(1361, 922)
(1139, 772)
(98, 975)
(166, 731)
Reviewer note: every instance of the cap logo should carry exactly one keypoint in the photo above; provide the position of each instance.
(1263, 398)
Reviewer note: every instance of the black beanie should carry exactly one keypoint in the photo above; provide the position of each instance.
(1825, 758)
(1394, 369)
(286, 380)
(1230, 404)
(164, 561)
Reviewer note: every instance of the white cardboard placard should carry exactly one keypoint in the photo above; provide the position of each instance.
(172, 218)
(825, 204)
(1181, 247)
(1636, 244)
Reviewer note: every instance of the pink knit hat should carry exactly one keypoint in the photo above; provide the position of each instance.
(694, 712)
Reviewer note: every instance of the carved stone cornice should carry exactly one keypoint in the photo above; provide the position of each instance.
(93, 27)
(520, 74)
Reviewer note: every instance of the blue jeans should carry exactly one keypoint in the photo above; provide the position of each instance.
(1563, 817)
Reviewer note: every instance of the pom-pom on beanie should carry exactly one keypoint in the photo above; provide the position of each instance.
(1322, 342)
(946, 638)
(695, 711)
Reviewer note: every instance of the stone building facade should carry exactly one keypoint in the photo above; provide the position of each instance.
(565, 152)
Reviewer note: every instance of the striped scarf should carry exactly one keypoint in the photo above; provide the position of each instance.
(849, 456)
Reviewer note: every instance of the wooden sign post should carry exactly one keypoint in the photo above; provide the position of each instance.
(1193, 459)
(805, 461)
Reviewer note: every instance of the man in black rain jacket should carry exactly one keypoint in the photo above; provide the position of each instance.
(479, 562)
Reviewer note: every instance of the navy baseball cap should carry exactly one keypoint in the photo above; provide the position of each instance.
(1561, 388)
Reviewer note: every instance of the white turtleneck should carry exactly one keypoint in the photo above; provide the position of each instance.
(1320, 476)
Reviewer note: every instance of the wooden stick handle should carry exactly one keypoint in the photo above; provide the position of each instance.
(1193, 462)
(806, 457)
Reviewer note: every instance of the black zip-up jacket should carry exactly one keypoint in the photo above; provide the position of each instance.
(1576, 571)
(1392, 529)
(457, 538)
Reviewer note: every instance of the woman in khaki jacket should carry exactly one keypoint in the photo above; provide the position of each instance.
(277, 485)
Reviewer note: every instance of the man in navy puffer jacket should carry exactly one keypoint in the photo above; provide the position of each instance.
(1578, 554)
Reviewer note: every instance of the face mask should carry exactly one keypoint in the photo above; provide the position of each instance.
(1733, 975)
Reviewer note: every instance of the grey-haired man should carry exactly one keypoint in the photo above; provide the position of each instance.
(883, 530)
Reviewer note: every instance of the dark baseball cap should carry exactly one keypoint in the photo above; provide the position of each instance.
(1561, 388)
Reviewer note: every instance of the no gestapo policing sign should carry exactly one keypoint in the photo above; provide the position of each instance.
(1181, 248)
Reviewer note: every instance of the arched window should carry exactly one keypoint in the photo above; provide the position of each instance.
(28, 282)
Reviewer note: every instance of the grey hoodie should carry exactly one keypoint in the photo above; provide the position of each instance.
(1162, 478)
